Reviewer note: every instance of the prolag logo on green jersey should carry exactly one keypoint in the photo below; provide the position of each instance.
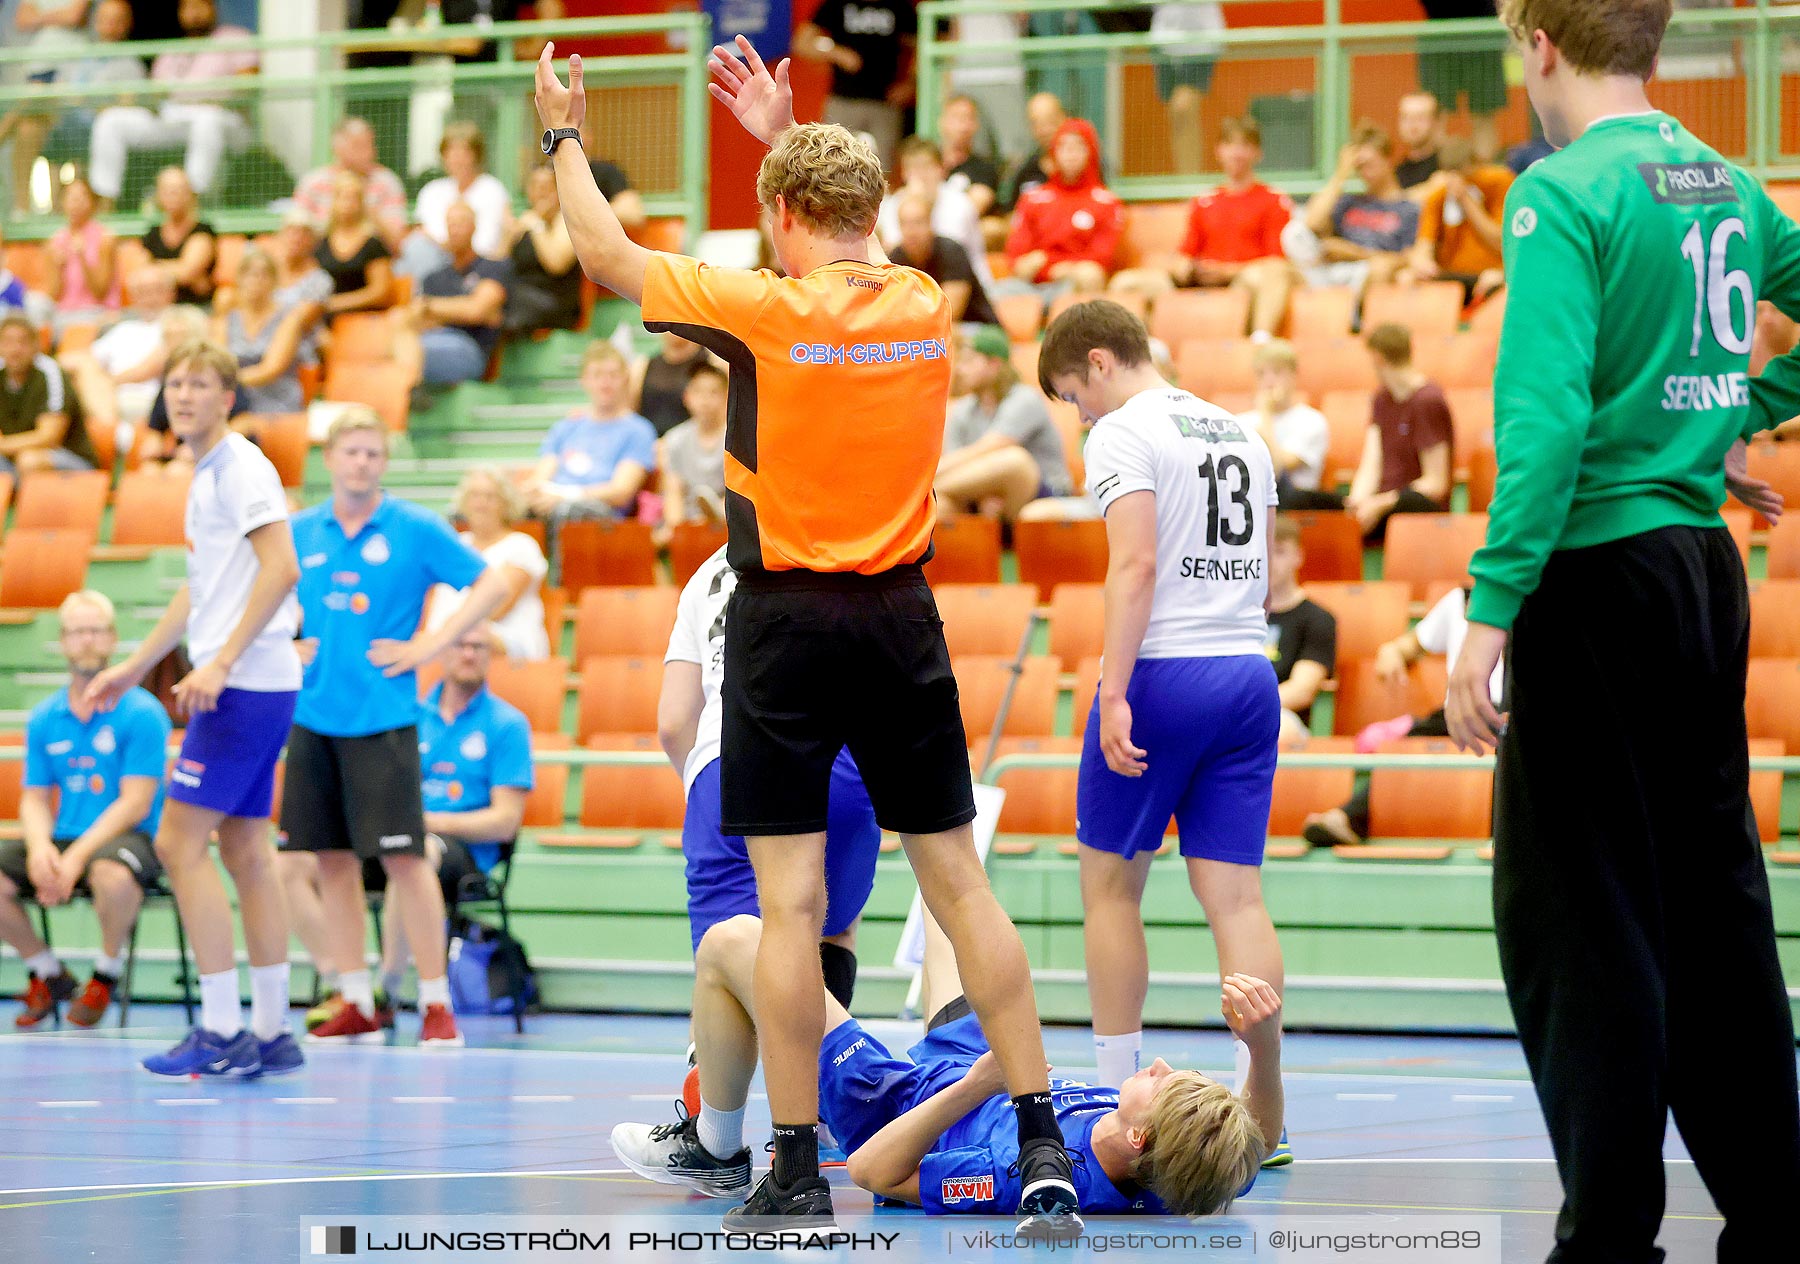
(1689, 183)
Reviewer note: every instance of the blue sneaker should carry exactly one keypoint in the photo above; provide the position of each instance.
(1282, 1154)
(280, 1056)
(204, 1053)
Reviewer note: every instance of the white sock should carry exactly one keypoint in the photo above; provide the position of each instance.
(220, 1011)
(1118, 1056)
(358, 991)
(269, 1000)
(1242, 1079)
(111, 967)
(434, 992)
(44, 965)
(721, 1131)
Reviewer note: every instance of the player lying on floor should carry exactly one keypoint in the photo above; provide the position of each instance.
(937, 1131)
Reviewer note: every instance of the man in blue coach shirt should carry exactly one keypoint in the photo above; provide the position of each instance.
(367, 561)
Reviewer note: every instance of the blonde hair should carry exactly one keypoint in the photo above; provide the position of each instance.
(93, 599)
(463, 132)
(354, 418)
(1201, 1145)
(1277, 353)
(512, 504)
(1596, 37)
(201, 354)
(600, 351)
(832, 180)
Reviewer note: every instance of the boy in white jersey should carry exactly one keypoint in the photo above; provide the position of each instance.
(238, 612)
(1188, 713)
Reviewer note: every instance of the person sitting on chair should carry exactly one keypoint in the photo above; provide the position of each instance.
(94, 836)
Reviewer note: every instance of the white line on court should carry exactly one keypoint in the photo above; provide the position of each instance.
(71, 1105)
(315, 1180)
(423, 1101)
(1481, 1097)
(1366, 1097)
(187, 1101)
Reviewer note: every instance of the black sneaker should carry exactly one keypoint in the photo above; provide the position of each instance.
(1049, 1210)
(671, 1154)
(806, 1205)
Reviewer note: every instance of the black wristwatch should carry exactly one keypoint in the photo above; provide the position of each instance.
(557, 135)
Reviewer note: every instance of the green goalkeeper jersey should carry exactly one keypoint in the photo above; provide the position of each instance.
(1634, 261)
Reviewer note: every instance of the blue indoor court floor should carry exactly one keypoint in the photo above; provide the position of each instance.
(100, 1160)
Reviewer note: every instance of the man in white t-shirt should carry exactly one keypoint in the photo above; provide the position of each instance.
(1297, 435)
(239, 615)
(1188, 714)
(953, 215)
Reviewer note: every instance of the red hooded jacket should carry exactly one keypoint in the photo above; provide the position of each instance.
(1069, 220)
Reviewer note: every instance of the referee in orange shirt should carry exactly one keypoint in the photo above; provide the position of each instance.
(840, 379)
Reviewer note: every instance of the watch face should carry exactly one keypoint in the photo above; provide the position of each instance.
(548, 137)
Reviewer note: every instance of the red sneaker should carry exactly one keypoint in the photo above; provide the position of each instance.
(91, 1005)
(348, 1026)
(41, 998)
(438, 1031)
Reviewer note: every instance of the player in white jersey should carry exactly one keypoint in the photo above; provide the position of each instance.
(238, 612)
(1188, 714)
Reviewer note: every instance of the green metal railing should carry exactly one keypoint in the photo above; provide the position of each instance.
(649, 109)
(1727, 73)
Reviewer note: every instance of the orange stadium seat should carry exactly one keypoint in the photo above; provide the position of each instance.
(536, 688)
(378, 384)
(284, 441)
(1215, 314)
(1209, 367)
(1423, 549)
(1783, 552)
(985, 618)
(1429, 802)
(150, 510)
(599, 553)
(631, 796)
(1434, 307)
(1465, 361)
(630, 622)
(52, 499)
(981, 682)
(12, 784)
(965, 550)
(39, 568)
(690, 544)
(1779, 463)
(1765, 790)
(6, 494)
(1077, 622)
(1025, 361)
(667, 233)
(619, 695)
(1771, 699)
(1483, 469)
(1322, 314)
(1786, 197)
(1299, 792)
(1052, 553)
(1038, 800)
(1362, 699)
(128, 260)
(228, 252)
(25, 260)
(1152, 230)
(1087, 684)
(1335, 364)
(362, 336)
(1347, 415)
(1368, 614)
(546, 806)
(1067, 420)
(1331, 546)
(1020, 315)
(1737, 521)
(1489, 317)
(1472, 424)
(1775, 618)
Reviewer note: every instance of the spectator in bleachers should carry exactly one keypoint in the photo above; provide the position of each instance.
(201, 119)
(594, 464)
(300, 283)
(117, 378)
(1297, 433)
(1184, 59)
(968, 170)
(1406, 456)
(693, 453)
(265, 338)
(1233, 236)
(869, 45)
(1302, 636)
(81, 262)
(448, 333)
(353, 153)
(159, 449)
(1419, 130)
(1065, 233)
(465, 183)
(89, 810)
(351, 250)
(1045, 114)
(940, 258)
(1478, 74)
(489, 504)
(1459, 224)
(40, 418)
(615, 186)
(1001, 449)
(953, 215)
(546, 288)
(1440, 633)
(659, 382)
(183, 244)
(1356, 239)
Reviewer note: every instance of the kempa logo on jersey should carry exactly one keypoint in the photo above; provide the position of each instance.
(1689, 183)
(966, 1189)
(868, 352)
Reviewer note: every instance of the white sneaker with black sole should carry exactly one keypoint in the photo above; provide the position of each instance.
(671, 1154)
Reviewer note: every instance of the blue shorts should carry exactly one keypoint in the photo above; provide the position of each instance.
(228, 755)
(1209, 727)
(451, 356)
(863, 1087)
(720, 882)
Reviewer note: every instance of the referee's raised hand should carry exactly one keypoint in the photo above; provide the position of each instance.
(558, 106)
(1469, 711)
(762, 102)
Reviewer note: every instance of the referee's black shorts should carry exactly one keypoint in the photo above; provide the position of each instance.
(814, 663)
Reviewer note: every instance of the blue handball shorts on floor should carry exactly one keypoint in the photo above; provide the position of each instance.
(228, 755)
(863, 1087)
(1208, 727)
(720, 882)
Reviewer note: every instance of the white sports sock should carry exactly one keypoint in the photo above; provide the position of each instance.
(434, 992)
(220, 1011)
(111, 967)
(721, 1131)
(269, 1000)
(45, 964)
(1118, 1056)
(358, 991)
(1242, 1079)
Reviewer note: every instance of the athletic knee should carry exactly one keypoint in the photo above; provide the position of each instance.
(111, 879)
(795, 907)
(730, 940)
(177, 851)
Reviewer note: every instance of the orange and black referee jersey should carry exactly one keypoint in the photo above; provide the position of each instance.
(835, 421)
